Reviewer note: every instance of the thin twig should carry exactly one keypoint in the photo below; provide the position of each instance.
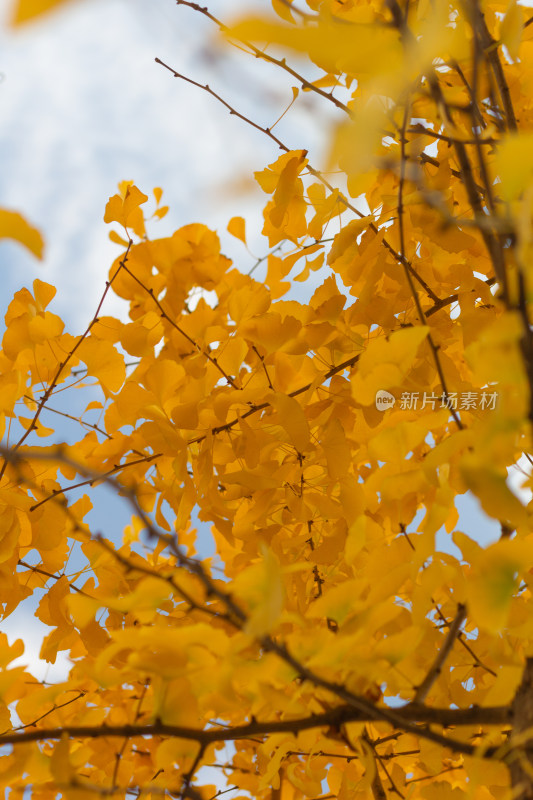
(79, 420)
(180, 330)
(278, 62)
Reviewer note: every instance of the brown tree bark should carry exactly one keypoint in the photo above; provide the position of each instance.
(521, 757)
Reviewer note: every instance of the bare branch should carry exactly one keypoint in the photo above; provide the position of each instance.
(278, 62)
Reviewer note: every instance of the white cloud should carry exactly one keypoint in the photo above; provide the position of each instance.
(21, 624)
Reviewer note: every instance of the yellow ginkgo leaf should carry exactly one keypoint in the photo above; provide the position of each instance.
(26, 10)
(124, 208)
(514, 164)
(237, 228)
(104, 362)
(512, 28)
(292, 418)
(261, 588)
(60, 765)
(14, 226)
(490, 487)
(330, 44)
(286, 188)
(493, 582)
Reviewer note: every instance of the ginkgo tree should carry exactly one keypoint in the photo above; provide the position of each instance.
(329, 648)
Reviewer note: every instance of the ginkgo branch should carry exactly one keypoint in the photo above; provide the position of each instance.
(418, 129)
(134, 566)
(89, 481)
(350, 362)
(490, 49)
(79, 420)
(436, 668)
(334, 718)
(278, 62)
(401, 184)
(55, 707)
(50, 575)
(180, 330)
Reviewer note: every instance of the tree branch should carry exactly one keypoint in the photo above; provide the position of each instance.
(278, 62)
(436, 668)
(495, 715)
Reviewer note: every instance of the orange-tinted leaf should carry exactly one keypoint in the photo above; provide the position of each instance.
(125, 210)
(26, 10)
(237, 228)
(292, 418)
(14, 226)
(104, 362)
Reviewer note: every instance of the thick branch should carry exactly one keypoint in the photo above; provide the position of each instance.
(520, 758)
(495, 715)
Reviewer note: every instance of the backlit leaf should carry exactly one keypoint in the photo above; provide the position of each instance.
(14, 226)
(26, 10)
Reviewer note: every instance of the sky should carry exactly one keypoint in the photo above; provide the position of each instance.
(84, 106)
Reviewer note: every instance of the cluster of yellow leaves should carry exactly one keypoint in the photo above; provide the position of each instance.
(257, 414)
